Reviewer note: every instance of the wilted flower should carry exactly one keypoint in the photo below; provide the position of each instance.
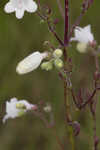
(16, 108)
(83, 35)
(31, 62)
(20, 6)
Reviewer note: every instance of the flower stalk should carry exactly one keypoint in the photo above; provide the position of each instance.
(61, 9)
(66, 32)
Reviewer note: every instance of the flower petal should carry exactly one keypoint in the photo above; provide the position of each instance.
(9, 8)
(5, 118)
(87, 28)
(27, 104)
(31, 6)
(19, 13)
(14, 99)
(83, 35)
(29, 63)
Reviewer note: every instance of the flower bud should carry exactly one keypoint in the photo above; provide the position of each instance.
(82, 47)
(31, 62)
(47, 108)
(58, 63)
(57, 53)
(47, 66)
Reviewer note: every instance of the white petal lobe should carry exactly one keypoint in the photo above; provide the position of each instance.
(31, 6)
(19, 13)
(9, 8)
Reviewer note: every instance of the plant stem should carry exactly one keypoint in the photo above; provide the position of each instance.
(70, 129)
(77, 22)
(51, 28)
(67, 107)
(60, 9)
(66, 32)
(54, 33)
(61, 146)
(68, 116)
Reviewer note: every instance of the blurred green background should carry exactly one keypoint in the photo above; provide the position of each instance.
(19, 38)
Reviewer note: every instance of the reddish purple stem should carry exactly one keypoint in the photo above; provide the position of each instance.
(66, 22)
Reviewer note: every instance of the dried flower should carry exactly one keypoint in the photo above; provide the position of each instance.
(16, 108)
(31, 62)
(20, 6)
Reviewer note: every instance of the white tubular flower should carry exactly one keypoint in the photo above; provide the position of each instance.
(83, 35)
(19, 6)
(15, 108)
(31, 62)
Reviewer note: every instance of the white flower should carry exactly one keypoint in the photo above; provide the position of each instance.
(14, 108)
(47, 108)
(19, 6)
(83, 35)
(31, 62)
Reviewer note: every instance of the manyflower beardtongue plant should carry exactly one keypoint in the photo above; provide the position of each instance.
(31, 62)
(84, 37)
(19, 6)
(16, 108)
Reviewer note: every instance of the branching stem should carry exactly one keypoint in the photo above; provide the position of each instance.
(60, 8)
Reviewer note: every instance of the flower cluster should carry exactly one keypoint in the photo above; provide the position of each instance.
(34, 60)
(83, 36)
(55, 60)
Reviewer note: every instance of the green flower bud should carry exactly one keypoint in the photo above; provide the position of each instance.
(57, 53)
(21, 113)
(47, 66)
(58, 63)
(42, 21)
(20, 106)
(82, 47)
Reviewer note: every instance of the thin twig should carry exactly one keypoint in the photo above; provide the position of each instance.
(74, 98)
(85, 6)
(58, 140)
(89, 99)
(77, 22)
(51, 29)
(60, 8)
(54, 33)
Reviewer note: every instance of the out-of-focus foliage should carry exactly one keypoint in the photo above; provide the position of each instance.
(18, 38)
